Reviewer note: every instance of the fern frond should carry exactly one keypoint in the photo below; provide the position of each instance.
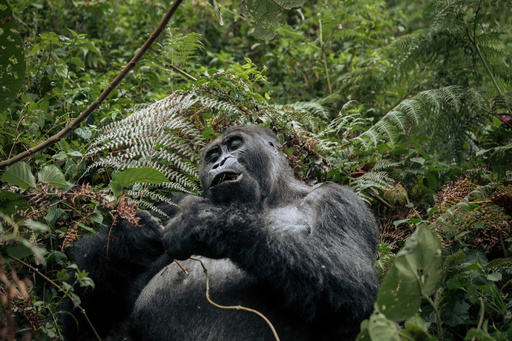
(430, 106)
(160, 136)
(181, 48)
(370, 180)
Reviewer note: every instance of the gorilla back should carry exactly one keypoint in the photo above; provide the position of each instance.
(301, 256)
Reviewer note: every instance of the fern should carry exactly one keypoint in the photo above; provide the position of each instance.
(161, 136)
(179, 49)
(367, 184)
(446, 115)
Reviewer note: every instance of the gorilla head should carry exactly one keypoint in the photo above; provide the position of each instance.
(243, 165)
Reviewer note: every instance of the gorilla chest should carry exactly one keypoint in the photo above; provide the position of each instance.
(290, 217)
(173, 306)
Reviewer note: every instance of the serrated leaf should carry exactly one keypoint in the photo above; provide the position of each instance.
(458, 314)
(53, 214)
(52, 175)
(19, 175)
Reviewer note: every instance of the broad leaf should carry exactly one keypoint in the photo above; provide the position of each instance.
(52, 175)
(400, 293)
(264, 15)
(20, 175)
(132, 176)
(382, 329)
(413, 275)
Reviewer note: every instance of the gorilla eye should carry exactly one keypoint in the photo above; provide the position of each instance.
(235, 143)
(213, 155)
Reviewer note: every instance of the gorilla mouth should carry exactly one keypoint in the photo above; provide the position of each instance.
(225, 177)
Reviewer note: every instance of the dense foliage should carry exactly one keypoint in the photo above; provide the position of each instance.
(407, 103)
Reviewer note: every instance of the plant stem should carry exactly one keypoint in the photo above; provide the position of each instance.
(131, 64)
(323, 54)
(481, 319)
(186, 75)
(481, 57)
(438, 318)
(82, 310)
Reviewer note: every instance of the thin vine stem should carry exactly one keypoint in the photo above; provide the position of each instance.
(481, 57)
(235, 307)
(82, 310)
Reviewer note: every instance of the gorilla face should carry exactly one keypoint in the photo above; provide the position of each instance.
(233, 168)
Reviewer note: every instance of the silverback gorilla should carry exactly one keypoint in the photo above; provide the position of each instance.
(301, 256)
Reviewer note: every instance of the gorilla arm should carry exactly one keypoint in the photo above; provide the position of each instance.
(317, 253)
(113, 257)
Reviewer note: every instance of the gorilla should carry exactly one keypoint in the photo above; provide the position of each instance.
(301, 256)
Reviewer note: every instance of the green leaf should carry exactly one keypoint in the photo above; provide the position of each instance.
(413, 275)
(382, 329)
(84, 133)
(458, 314)
(131, 176)
(36, 226)
(428, 258)
(52, 175)
(19, 251)
(264, 15)
(415, 332)
(58, 257)
(400, 293)
(53, 214)
(12, 57)
(419, 160)
(20, 175)
(11, 202)
(495, 276)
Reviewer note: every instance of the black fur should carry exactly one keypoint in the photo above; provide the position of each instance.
(301, 256)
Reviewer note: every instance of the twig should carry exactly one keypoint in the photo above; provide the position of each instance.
(82, 310)
(181, 266)
(66, 130)
(235, 307)
(186, 75)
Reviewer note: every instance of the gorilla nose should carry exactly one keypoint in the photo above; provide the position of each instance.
(222, 162)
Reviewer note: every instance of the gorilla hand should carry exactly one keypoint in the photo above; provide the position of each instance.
(185, 234)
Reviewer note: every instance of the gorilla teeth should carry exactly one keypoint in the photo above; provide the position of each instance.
(223, 177)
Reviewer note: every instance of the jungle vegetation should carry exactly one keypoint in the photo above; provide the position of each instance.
(408, 103)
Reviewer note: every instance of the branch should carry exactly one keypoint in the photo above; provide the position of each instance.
(66, 130)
